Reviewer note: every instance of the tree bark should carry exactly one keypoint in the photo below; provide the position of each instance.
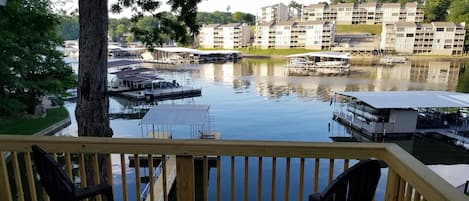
(93, 103)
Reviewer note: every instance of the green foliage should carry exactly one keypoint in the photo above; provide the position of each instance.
(117, 28)
(225, 17)
(294, 4)
(32, 67)
(179, 24)
(458, 11)
(436, 10)
(27, 126)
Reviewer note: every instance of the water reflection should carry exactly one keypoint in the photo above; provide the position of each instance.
(271, 79)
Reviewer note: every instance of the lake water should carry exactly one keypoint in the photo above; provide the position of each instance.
(258, 100)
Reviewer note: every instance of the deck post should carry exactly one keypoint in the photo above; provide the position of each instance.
(392, 186)
(185, 186)
(4, 183)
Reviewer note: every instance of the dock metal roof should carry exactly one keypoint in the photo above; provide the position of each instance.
(411, 99)
(185, 114)
(322, 54)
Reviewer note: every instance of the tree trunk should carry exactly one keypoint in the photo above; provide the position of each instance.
(93, 103)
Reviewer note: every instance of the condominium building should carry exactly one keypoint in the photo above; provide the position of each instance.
(283, 35)
(226, 36)
(440, 38)
(363, 13)
(273, 13)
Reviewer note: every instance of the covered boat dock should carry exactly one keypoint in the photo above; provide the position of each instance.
(182, 55)
(319, 63)
(398, 113)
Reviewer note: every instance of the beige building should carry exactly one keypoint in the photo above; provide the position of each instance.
(226, 36)
(283, 35)
(440, 38)
(273, 13)
(363, 13)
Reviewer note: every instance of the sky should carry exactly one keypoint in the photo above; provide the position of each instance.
(247, 6)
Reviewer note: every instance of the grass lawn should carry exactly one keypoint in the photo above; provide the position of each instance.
(359, 28)
(22, 126)
(256, 51)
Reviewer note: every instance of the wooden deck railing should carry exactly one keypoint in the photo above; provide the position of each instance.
(407, 178)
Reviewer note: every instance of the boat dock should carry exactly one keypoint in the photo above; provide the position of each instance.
(317, 63)
(404, 113)
(159, 94)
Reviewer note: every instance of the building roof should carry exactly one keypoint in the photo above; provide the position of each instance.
(406, 24)
(185, 114)
(266, 24)
(322, 54)
(411, 4)
(232, 25)
(342, 5)
(444, 24)
(316, 5)
(286, 23)
(368, 4)
(312, 22)
(411, 99)
(391, 5)
(210, 25)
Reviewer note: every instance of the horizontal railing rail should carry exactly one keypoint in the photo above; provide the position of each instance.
(408, 178)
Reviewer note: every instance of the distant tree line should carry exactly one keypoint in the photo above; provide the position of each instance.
(218, 17)
(120, 28)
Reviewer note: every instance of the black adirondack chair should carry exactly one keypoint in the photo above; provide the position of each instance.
(56, 183)
(358, 183)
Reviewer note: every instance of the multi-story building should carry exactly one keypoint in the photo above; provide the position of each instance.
(441, 38)
(227, 36)
(208, 35)
(283, 35)
(363, 13)
(273, 13)
(265, 35)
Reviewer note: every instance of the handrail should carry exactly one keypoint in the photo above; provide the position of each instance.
(428, 183)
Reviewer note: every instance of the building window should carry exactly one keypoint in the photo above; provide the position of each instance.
(449, 29)
(341, 9)
(410, 35)
(348, 9)
(400, 29)
(447, 47)
(448, 41)
(410, 14)
(395, 14)
(440, 29)
(400, 35)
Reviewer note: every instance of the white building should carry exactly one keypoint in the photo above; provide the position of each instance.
(235, 35)
(265, 35)
(227, 36)
(284, 35)
(440, 38)
(363, 13)
(207, 35)
(273, 13)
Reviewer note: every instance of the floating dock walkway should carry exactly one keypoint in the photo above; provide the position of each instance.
(180, 92)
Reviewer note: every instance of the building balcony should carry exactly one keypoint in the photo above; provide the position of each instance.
(406, 178)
